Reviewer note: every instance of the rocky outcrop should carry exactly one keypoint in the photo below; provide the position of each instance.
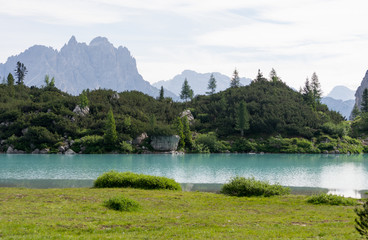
(12, 150)
(359, 92)
(139, 140)
(165, 143)
(187, 113)
(69, 151)
(81, 111)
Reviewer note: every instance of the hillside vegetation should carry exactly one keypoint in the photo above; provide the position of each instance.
(266, 116)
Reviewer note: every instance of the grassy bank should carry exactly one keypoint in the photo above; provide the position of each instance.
(80, 214)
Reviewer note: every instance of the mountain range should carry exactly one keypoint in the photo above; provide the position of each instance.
(78, 66)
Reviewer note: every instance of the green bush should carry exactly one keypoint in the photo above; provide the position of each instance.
(125, 147)
(362, 220)
(121, 203)
(330, 199)
(89, 144)
(210, 142)
(247, 187)
(114, 179)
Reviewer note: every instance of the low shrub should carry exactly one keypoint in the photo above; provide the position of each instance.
(114, 179)
(121, 203)
(247, 187)
(329, 199)
(362, 220)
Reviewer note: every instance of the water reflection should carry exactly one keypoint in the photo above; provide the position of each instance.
(342, 173)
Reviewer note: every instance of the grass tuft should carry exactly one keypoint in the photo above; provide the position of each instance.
(329, 199)
(121, 203)
(247, 187)
(114, 179)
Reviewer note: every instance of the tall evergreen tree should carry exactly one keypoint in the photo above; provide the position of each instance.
(273, 76)
(364, 104)
(83, 99)
(355, 112)
(161, 98)
(20, 72)
(110, 136)
(180, 131)
(211, 85)
(235, 80)
(316, 88)
(242, 118)
(260, 77)
(10, 80)
(307, 92)
(186, 91)
(187, 133)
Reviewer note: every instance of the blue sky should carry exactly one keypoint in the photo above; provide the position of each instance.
(296, 38)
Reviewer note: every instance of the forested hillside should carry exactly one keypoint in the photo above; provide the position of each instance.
(265, 116)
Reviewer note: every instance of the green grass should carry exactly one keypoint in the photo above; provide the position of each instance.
(114, 179)
(80, 213)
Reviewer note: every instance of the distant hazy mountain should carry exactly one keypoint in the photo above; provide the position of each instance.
(78, 66)
(342, 93)
(343, 107)
(198, 82)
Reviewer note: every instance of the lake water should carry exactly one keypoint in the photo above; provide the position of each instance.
(340, 174)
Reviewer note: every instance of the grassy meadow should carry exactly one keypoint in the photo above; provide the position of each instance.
(79, 213)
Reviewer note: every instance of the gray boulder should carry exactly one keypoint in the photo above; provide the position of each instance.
(165, 143)
(69, 151)
(138, 140)
(81, 111)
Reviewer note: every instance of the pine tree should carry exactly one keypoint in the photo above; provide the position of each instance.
(187, 133)
(161, 98)
(110, 136)
(235, 80)
(308, 93)
(316, 88)
(364, 104)
(211, 85)
(180, 131)
(273, 76)
(362, 220)
(242, 118)
(260, 77)
(20, 72)
(10, 80)
(186, 91)
(83, 99)
(355, 112)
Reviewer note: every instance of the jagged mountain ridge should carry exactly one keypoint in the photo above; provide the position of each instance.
(359, 91)
(78, 66)
(198, 82)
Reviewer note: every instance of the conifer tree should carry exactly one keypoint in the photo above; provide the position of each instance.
(273, 76)
(355, 112)
(211, 85)
(316, 88)
(10, 80)
(235, 80)
(307, 92)
(161, 98)
(260, 77)
(110, 136)
(187, 133)
(180, 131)
(364, 104)
(242, 118)
(186, 91)
(83, 99)
(20, 72)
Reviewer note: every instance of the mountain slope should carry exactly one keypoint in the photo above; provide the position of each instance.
(359, 91)
(198, 82)
(341, 93)
(343, 107)
(78, 66)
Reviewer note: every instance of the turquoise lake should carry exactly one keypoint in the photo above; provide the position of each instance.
(340, 174)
